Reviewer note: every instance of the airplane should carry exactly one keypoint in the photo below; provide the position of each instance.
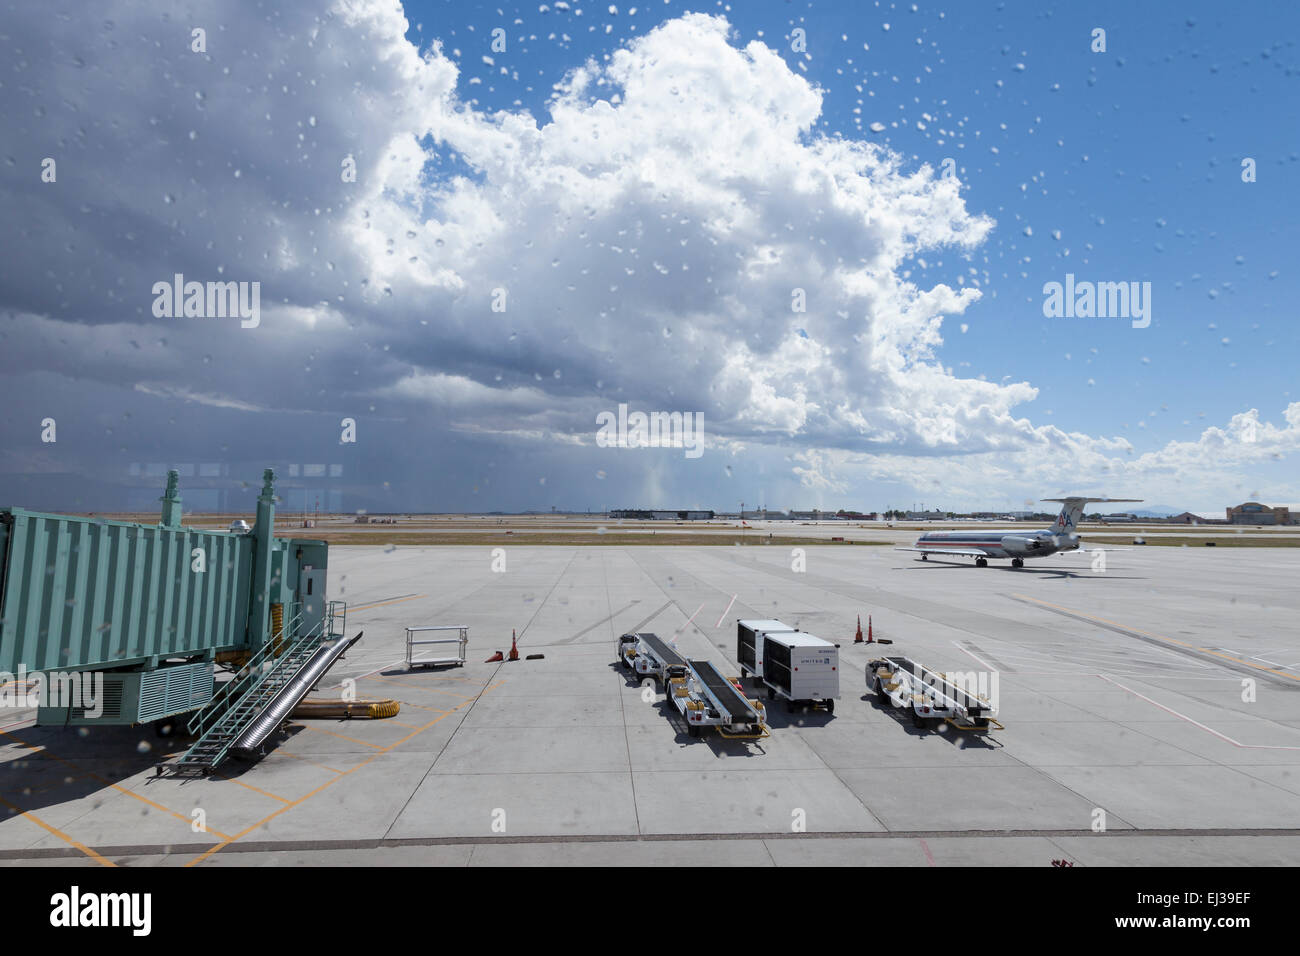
(1061, 537)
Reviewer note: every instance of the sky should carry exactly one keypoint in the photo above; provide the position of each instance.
(826, 231)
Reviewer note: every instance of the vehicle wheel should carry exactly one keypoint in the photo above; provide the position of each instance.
(880, 689)
(917, 720)
(692, 730)
(925, 557)
(830, 707)
(1017, 562)
(981, 563)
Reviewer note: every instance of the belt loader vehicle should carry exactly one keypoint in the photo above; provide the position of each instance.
(648, 655)
(705, 698)
(963, 701)
(695, 689)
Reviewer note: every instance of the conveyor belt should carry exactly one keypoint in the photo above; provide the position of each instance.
(662, 651)
(730, 703)
(959, 696)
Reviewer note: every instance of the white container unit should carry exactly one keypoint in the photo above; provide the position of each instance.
(749, 644)
(801, 668)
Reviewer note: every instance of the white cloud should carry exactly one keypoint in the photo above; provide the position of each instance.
(648, 235)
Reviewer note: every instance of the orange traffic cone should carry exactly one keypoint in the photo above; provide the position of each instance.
(870, 637)
(514, 647)
(857, 638)
(494, 658)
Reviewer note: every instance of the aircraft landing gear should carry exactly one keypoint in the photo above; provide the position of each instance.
(925, 557)
(981, 562)
(1017, 562)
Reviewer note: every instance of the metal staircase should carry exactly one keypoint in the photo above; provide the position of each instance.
(241, 699)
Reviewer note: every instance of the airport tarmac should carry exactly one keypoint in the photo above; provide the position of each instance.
(1158, 698)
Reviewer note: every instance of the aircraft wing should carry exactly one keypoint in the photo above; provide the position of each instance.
(959, 552)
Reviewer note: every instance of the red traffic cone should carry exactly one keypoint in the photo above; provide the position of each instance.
(514, 648)
(498, 656)
(870, 637)
(857, 638)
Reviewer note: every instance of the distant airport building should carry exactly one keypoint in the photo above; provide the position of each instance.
(1117, 518)
(841, 515)
(651, 514)
(927, 515)
(1252, 512)
(1191, 517)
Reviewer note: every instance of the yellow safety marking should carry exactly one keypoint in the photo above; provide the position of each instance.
(1161, 637)
(44, 752)
(249, 786)
(758, 736)
(432, 690)
(329, 783)
(60, 834)
(287, 753)
(351, 740)
(436, 710)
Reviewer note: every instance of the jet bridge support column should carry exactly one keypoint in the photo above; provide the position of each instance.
(259, 609)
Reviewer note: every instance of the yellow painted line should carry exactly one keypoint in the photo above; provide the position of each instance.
(45, 752)
(367, 607)
(60, 834)
(1161, 637)
(329, 783)
(431, 690)
(281, 750)
(249, 786)
(436, 710)
(351, 740)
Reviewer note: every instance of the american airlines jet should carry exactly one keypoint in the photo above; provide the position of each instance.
(1016, 545)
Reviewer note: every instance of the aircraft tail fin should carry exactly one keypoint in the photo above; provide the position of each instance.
(1067, 522)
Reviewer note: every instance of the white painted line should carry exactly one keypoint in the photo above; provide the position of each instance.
(1209, 730)
(986, 664)
(724, 613)
(400, 660)
(689, 620)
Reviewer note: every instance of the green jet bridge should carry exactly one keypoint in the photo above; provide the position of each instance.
(128, 623)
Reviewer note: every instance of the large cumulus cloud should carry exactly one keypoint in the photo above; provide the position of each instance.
(648, 237)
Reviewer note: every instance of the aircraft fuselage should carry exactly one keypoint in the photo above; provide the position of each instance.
(999, 544)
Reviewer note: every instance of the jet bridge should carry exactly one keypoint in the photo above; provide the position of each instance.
(126, 623)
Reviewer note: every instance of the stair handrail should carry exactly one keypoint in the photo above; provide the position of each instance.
(213, 709)
(308, 642)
